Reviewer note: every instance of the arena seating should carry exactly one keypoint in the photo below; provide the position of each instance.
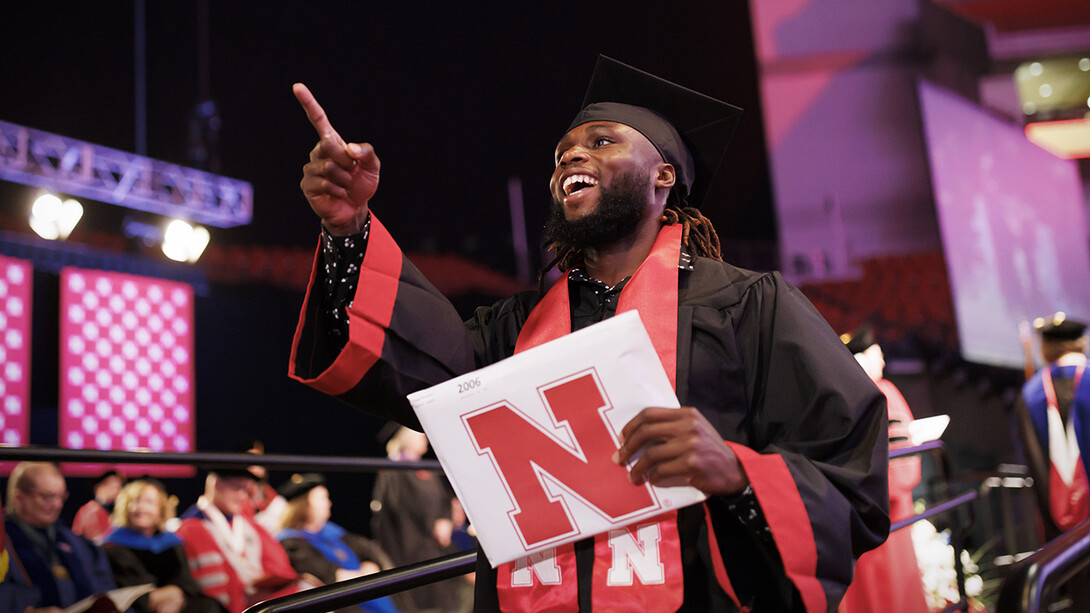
(905, 297)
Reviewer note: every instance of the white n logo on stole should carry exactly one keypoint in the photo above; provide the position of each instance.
(542, 564)
(641, 557)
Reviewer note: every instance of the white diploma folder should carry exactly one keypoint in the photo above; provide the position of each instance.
(528, 442)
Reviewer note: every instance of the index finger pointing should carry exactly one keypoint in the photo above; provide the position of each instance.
(315, 113)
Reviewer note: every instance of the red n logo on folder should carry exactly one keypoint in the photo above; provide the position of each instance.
(573, 454)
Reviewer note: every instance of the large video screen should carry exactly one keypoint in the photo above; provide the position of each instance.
(1013, 226)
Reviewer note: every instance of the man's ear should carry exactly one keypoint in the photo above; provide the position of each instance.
(666, 176)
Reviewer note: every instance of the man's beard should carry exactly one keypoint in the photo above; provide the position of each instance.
(621, 207)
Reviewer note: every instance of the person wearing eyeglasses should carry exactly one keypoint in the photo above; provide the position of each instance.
(60, 567)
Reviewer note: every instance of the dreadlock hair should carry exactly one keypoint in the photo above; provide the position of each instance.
(698, 235)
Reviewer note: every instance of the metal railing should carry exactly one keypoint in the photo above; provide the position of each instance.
(1031, 581)
(385, 583)
(361, 589)
(949, 503)
(208, 459)
(316, 600)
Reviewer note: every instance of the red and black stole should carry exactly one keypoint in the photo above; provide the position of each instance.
(548, 582)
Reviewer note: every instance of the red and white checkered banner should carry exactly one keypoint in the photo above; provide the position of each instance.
(15, 301)
(126, 366)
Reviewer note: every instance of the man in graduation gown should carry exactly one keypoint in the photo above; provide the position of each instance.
(13, 596)
(1052, 417)
(231, 556)
(778, 423)
(59, 567)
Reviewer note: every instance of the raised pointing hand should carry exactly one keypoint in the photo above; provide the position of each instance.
(340, 177)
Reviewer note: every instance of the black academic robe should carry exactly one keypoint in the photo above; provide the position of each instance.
(405, 506)
(315, 554)
(753, 356)
(78, 568)
(136, 559)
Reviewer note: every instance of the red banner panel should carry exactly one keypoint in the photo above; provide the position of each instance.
(15, 301)
(126, 360)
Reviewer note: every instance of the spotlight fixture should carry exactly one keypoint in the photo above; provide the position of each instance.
(183, 242)
(52, 219)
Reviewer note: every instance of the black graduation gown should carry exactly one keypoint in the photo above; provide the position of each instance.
(405, 506)
(753, 356)
(138, 565)
(307, 558)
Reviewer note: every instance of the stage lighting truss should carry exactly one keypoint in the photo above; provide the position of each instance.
(87, 170)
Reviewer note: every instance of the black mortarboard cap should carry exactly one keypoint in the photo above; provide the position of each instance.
(1060, 328)
(690, 130)
(859, 340)
(300, 484)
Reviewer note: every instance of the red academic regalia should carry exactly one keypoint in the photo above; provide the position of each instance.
(211, 567)
(92, 522)
(1031, 413)
(1067, 390)
(747, 349)
(888, 578)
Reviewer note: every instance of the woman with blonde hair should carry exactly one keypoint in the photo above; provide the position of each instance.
(141, 550)
(320, 547)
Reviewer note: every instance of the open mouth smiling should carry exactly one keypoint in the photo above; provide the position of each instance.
(577, 182)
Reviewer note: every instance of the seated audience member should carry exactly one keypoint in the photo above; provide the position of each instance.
(141, 551)
(320, 547)
(14, 596)
(265, 505)
(57, 566)
(93, 519)
(888, 578)
(234, 559)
